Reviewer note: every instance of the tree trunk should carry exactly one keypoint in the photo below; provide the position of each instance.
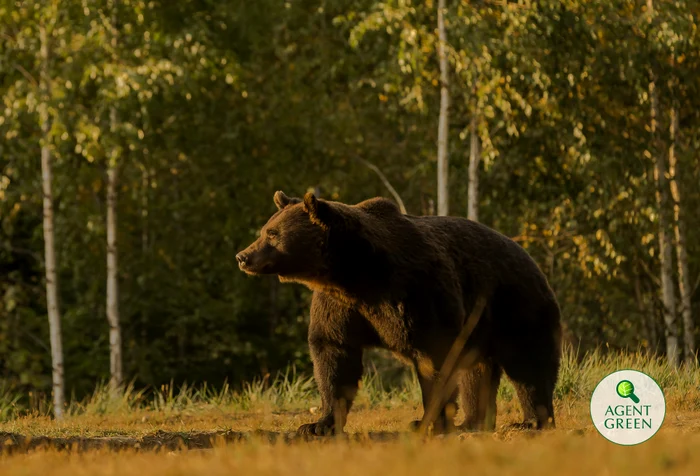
(431, 207)
(443, 160)
(145, 244)
(272, 326)
(684, 286)
(647, 316)
(665, 253)
(473, 186)
(115, 357)
(145, 187)
(49, 250)
(274, 307)
(115, 338)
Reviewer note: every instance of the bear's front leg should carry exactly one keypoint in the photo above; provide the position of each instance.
(337, 335)
(337, 371)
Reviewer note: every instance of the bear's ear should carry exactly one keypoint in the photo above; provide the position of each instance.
(319, 211)
(281, 200)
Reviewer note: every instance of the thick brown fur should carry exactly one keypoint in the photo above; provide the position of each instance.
(407, 284)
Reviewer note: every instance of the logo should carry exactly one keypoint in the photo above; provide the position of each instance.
(628, 407)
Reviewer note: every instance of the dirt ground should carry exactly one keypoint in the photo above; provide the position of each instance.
(377, 442)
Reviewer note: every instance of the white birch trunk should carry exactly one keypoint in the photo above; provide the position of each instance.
(115, 357)
(684, 286)
(473, 186)
(115, 338)
(443, 159)
(58, 389)
(665, 252)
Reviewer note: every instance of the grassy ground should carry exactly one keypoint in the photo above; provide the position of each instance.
(549, 454)
(378, 442)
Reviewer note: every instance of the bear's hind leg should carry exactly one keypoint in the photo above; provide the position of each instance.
(534, 376)
(478, 387)
(537, 403)
(444, 421)
(529, 350)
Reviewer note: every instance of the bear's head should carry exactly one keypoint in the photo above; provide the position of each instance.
(292, 242)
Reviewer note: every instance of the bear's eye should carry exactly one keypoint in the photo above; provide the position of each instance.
(271, 233)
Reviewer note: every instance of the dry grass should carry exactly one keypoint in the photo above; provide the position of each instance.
(378, 423)
(552, 453)
(575, 447)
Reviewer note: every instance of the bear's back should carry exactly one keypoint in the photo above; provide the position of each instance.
(479, 251)
(484, 253)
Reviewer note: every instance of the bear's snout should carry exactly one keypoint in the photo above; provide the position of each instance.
(242, 259)
(254, 260)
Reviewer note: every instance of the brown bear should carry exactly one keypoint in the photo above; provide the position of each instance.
(408, 284)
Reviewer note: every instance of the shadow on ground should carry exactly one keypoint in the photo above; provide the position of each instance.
(13, 443)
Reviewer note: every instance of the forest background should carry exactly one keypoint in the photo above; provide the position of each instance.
(572, 126)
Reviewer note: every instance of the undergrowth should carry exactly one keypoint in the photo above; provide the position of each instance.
(290, 391)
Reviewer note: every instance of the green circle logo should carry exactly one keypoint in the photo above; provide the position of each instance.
(628, 407)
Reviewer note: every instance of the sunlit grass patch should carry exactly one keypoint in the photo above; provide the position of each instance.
(579, 377)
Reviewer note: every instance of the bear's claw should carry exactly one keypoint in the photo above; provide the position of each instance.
(320, 428)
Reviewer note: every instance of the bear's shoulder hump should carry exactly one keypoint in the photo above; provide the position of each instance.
(379, 206)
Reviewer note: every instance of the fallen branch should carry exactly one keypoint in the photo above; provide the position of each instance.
(446, 381)
(386, 183)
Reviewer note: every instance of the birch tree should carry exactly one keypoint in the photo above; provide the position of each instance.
(115, 357)
(684, 286)
(662, 201)
(443, 125)
(474, 159)
(665, 253)
(49, 248)
(115, 337)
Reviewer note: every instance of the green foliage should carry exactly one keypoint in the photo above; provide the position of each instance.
(9, 403)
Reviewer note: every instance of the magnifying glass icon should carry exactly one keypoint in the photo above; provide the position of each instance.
(625, 389)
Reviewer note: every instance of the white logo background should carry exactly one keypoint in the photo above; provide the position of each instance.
(605, 396)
